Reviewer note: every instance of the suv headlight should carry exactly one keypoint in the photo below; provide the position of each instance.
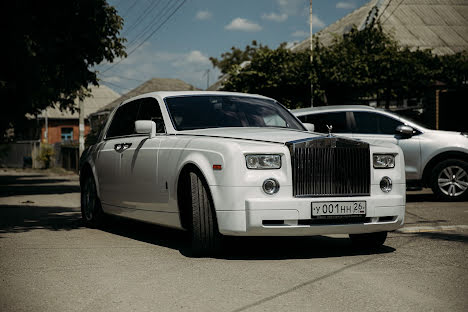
(384, 161)
(263, 161)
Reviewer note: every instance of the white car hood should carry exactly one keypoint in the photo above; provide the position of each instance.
(276, 135)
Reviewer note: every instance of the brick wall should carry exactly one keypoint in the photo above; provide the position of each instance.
(55, 129)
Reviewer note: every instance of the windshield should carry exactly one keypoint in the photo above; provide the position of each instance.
(200, 112)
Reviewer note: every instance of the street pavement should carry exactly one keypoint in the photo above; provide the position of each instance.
(50, 262)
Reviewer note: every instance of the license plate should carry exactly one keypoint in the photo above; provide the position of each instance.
(350, 208)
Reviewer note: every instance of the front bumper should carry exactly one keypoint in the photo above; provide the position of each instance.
(292, 216)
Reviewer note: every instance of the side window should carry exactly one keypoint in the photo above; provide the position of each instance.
(388, 125)
(123, 122)
(337, 120)
(373, 123)
(149, 110)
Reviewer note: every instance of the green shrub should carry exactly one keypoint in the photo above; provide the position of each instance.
(46, 155)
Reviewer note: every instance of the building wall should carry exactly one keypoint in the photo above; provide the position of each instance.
(55, 130)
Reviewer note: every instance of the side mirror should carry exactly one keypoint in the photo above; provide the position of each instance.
(310, 127)
(405, 130)
(146, 127)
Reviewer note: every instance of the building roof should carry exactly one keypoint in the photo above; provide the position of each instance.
(152, 85)
(440, 25)
(100, 96)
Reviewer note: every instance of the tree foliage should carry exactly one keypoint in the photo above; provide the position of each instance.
(50, 50)
(280, 74)
(237, 56)
(362, 64)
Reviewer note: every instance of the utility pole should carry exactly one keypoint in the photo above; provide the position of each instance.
(207, 73)
(46, 130)
(81, 128)
(311, 58)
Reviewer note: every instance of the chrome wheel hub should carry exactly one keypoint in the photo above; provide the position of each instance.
(453, 181)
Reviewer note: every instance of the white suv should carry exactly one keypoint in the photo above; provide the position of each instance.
(434, 158)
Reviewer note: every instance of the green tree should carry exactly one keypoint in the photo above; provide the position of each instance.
(361, 65)
(237, 56)
(281, 74)
(453, 70)
(50, 50)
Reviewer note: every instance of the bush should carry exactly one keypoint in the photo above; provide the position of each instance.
(46, 155)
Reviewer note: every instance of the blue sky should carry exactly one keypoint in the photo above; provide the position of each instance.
(181, 47)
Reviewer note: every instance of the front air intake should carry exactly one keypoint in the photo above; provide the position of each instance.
(330, 166)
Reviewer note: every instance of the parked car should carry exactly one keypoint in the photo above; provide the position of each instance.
(220, 163)
(433, 158)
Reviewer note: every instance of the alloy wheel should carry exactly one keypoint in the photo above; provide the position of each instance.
(453, 181)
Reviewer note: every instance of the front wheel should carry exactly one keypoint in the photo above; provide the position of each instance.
(449, 180)
(91, 210)
(368, 240)
(204, 232)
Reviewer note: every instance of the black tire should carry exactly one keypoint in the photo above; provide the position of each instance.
(91, 210)
(449, 180)
(368, 240)
(205, 235)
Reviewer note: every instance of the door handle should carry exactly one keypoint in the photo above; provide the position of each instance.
(126, 146)
(121, 147)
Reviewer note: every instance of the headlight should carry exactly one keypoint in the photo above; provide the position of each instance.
(263, 161)
(384, 161)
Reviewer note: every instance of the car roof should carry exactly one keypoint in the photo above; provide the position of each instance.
(166, 94)
(303, 111)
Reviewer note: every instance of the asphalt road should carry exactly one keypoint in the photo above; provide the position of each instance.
(50, 262)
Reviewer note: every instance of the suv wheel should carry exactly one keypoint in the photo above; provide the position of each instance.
(449, 180)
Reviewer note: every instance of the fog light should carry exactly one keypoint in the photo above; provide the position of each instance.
(386, 184)
(270, 186)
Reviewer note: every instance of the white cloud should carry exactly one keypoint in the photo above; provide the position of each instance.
(300, 34)
(146, 63)
(193, 58)
(292, 7)
(275, 17)
(203, 15)
(345, 5)
(243, 24)
(317, 22)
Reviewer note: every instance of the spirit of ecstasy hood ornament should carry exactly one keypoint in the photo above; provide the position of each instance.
(330, 128)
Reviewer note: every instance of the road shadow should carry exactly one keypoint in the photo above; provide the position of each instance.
(25, 218)
(19, 218)
(421, 197)
(38, 190)
(446, 236)
(242, 248)
(18, 185)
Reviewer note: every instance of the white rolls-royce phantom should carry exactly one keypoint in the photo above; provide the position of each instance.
(221, 163)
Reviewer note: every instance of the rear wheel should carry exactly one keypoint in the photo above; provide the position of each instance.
(449, 180)
(204, 228)
(368, 240)
(91, 210)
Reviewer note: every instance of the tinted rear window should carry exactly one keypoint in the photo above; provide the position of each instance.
(336, 119)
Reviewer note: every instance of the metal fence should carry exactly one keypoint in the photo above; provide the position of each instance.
(25, 154)
(21, 154)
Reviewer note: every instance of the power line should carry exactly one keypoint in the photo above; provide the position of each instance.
(123, 77)
(146, 11)
(396, 7)
(148, 27)
(159, 27)
(116, 85)
(149, 36)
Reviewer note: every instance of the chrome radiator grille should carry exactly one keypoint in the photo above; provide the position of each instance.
(330, 166)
